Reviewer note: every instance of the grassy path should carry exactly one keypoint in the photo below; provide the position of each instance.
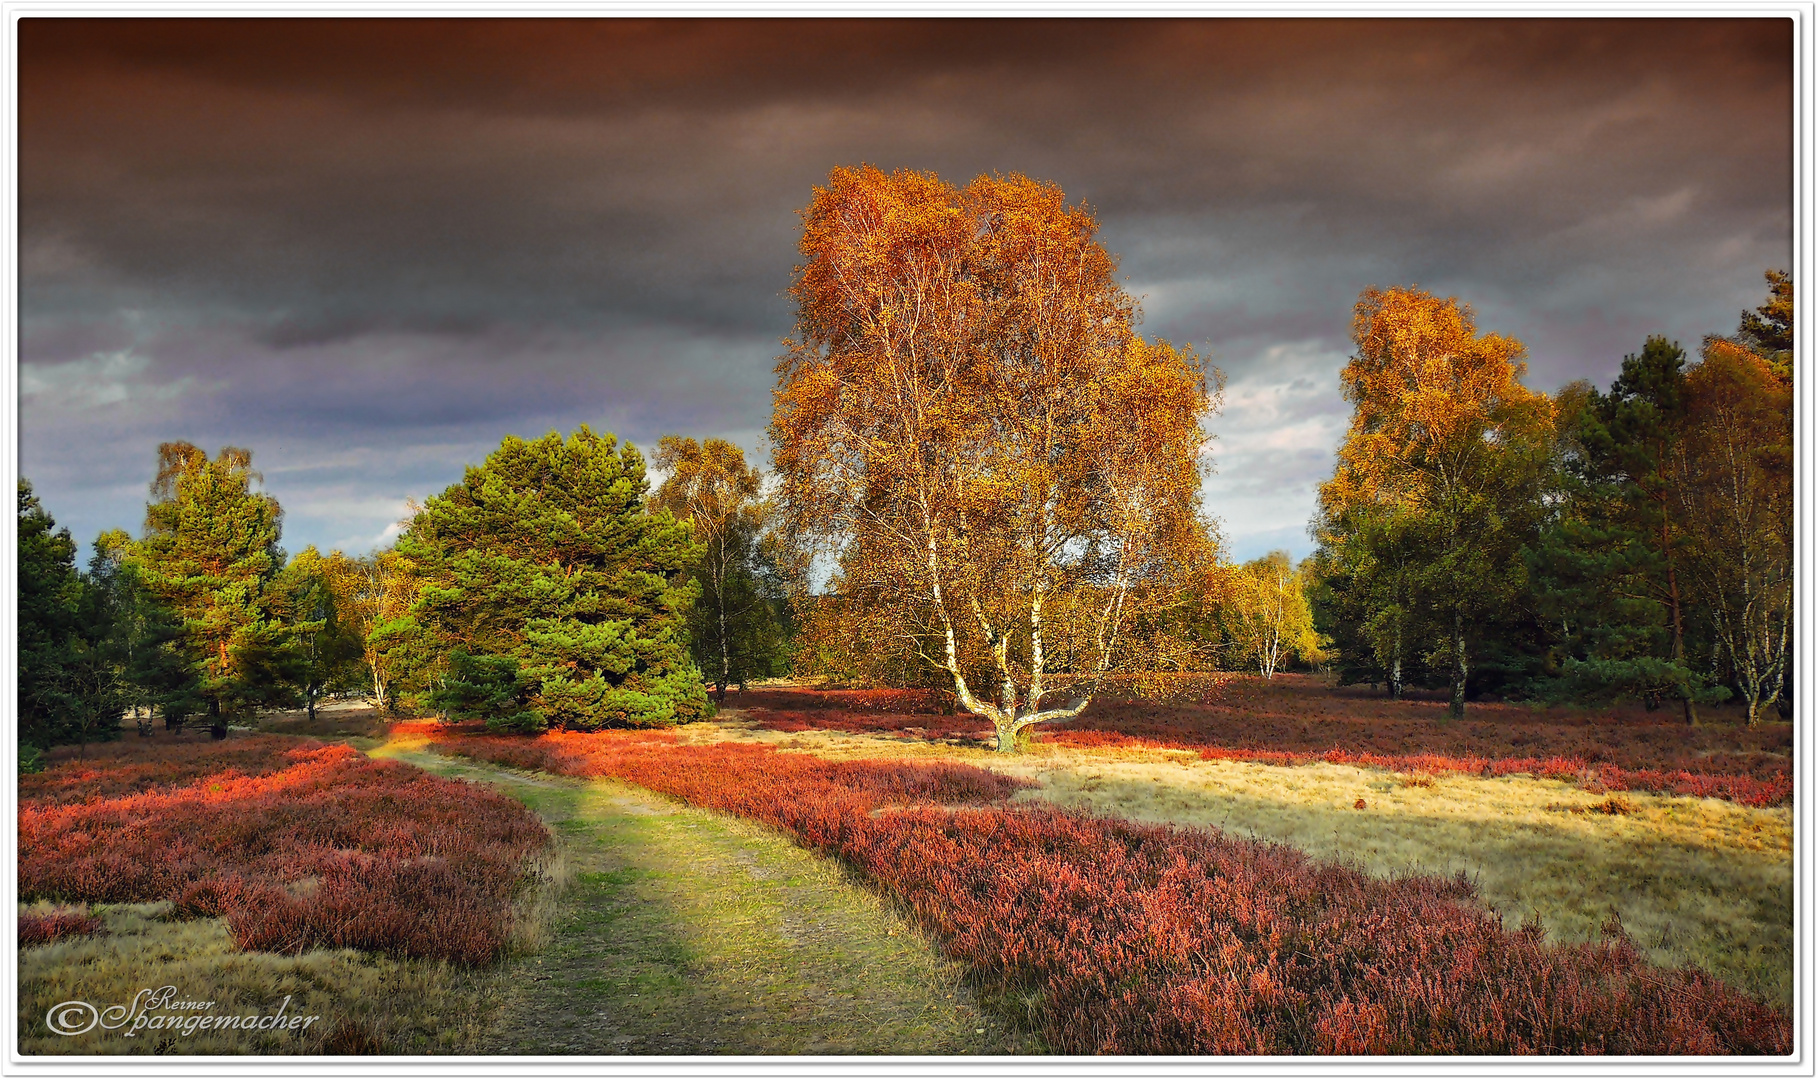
(678, 931)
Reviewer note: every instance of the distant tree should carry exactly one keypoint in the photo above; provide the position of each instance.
(154, 661)
(545, 556)
(326, 642)
(100, 663)
(210, 553)
(1447, 449)
(91, 645)
(969, 426)
(49, 598)
(373, 597)
(1271, 621)
(735, 628)
(1736, 501)
(1366, 594)
(1612, 564)
(1769, 331)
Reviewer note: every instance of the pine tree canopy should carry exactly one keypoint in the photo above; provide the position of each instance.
(49, 594)
(545, 555)
(211, 553)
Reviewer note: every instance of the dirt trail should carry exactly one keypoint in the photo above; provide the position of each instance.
(683, 932)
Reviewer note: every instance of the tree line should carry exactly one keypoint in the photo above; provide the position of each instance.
(549, 588)
(985, 480)
(1597, 544)
(1003, 479)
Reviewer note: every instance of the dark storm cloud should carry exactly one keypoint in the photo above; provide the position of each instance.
(368, 248)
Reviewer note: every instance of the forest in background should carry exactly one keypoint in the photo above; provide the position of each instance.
(1476, 536)
(986, 510)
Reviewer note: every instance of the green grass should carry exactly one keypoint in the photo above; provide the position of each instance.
(684, 932)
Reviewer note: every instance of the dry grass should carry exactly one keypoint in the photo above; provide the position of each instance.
(1695, 881)
(368, 1003)
(1299, 719)
(1703, 882)
(354, 721)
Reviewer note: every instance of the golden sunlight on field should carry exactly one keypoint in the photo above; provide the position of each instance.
(1695, 881)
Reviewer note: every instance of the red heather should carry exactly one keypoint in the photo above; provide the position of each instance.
(298, 845)
(1153, 940)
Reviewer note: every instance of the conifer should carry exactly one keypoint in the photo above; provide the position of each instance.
(545, 555)
(210, 552)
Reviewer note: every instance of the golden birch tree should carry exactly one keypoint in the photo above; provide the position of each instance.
(969, 422)
(1447, 442)
(1271, 620)
(374, 595)
(1736, 501)
(710, 485)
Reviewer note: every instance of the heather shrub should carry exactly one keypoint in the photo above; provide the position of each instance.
(122, 768)
(1151, 939)
(323, 848)
(1295, 720)
(44, 927)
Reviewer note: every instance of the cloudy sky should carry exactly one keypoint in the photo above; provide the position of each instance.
(367, 250)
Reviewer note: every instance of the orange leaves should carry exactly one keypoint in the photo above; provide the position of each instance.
(708, 483)
(1438, 484)
(968, 417)
(1734, 494)
(1428, 390)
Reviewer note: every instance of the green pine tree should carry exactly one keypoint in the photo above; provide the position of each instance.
(159, 668)
(99, 664)
(545, 555)
(1609, 566)
(49, 598)
(210, 553)
(1769, 328)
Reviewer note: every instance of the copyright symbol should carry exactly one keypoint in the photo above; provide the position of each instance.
(72, 1017)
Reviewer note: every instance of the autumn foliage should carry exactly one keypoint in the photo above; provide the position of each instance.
(297, 844)
(1155, 940)
(1438, 481)
(968, 420)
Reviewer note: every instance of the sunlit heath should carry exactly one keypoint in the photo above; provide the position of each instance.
(925, 539)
